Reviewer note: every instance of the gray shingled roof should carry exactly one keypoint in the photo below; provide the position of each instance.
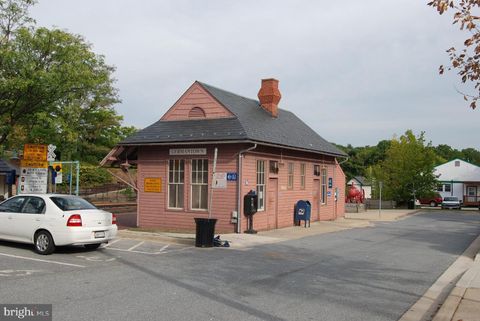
(362, 180)
(251, 123)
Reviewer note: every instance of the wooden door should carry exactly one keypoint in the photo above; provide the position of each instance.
(272, 206)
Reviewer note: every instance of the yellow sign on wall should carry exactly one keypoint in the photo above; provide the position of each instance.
(152, 185)
(35, 152)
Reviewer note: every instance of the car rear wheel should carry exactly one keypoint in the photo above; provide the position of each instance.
(433, 204)
(92, 246)
(44, 243)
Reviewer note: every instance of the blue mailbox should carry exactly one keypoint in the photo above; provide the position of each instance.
(303, 211)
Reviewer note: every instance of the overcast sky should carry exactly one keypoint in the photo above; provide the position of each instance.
(356, 71)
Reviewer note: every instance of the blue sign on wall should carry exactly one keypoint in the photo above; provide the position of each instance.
(330, 182)
(232, 177)
(329, 193)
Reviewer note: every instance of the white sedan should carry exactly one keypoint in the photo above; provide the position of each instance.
(50, 220)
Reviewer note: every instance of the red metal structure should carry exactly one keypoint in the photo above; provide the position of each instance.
(354, 195)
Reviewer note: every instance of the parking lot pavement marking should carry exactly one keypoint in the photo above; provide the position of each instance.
(7, 273)
(135, 246)
(40, 260)
(95, 258)
(112, 242)
(132, 251)
(143, 247)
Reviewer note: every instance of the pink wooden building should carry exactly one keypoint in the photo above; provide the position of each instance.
(260, 147)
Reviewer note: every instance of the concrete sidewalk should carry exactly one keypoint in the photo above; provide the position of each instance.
(245, 241)
(463, 302)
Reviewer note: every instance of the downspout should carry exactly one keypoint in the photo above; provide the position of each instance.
(335, 182)
(239, 185)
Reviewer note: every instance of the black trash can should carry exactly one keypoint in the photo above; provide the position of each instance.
(205, 232)
(411, 204)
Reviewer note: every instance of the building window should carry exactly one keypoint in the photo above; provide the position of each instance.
(273, 167)
(290, 176)
(199, 184)
(261, 184)
(440, 188)
(457, 163)
(324, 186)
(302, 175)
(196, 112)
(176, 179)
(447, 187)
(316, 170)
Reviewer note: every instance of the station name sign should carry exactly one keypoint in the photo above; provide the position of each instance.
(188, 151)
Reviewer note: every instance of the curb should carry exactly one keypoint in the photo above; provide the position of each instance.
(142, 236)
(444, 293)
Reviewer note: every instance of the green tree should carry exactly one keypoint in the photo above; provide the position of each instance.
(13, 15)
(471, 155)
(46, 71)
(54, 89)
(407, 168)
(361, 158)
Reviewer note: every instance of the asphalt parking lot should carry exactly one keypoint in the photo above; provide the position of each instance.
(20, 261)
(374, 273)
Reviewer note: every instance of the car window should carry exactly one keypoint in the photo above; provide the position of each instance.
(71, 203)
(13, 205)
(34, 205)
(451, 199)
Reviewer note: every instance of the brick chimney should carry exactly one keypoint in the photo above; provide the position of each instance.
(269, 96)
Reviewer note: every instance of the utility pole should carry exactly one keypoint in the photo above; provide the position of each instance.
(380, 185)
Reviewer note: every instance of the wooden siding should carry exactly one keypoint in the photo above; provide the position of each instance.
(286, 198)
(196, 96)
(154, 213)
(153, 208)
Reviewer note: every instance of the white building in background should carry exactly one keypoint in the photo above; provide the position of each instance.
(461, 179)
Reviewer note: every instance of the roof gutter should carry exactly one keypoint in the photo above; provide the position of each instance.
(233, 142)
(239, 186)
(346, 159)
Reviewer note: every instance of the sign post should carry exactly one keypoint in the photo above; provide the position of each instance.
(34, 170)
(380, 185)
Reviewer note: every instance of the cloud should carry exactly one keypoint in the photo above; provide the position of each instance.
(356, 71)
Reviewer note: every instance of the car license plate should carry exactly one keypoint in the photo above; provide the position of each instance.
(99, 235)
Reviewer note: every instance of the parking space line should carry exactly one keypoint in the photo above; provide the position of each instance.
(161, 251)
(40, 260)
(133, 251)
(135, 246)
(113, 242)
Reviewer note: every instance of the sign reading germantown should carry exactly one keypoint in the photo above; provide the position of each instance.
(188, 151)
